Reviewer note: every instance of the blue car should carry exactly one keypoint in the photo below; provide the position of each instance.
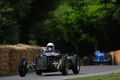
(100, 57)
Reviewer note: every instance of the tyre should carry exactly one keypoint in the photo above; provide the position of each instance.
(64, 65)
(22, 67)
(38, 72)
(75, 64)
(110, 62)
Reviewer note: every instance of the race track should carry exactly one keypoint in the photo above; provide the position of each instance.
(84, 72)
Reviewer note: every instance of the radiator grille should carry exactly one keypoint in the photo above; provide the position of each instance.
(41, 63)
(101, 58)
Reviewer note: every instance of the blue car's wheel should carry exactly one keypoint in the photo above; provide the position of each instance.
(110, 61)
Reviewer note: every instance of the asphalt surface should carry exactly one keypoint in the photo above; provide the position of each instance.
(85, 71)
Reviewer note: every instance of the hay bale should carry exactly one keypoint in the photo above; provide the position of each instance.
(30, 55)
(14, 56)
(117, 57)
(10, 55)
(37, 50)
(43, 48)
(113, 56)
(25, 51)
(84, 61)
(4, 59)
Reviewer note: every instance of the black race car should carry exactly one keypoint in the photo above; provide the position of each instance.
(50, 61)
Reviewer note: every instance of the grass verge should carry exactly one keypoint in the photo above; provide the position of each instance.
(112, 76)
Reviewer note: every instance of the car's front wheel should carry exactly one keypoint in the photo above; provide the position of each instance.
(75, 64)
(22, 67)
(64, 65)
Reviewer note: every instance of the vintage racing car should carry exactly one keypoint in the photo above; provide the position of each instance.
(50, 61)
(100, 57)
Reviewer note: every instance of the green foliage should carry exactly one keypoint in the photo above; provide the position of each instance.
(8, 27)
(74, 26)
(82, 25)
(11, 15)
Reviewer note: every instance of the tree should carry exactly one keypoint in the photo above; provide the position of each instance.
(83, 26)
(8, 27)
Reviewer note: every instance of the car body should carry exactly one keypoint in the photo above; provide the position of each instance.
(51, 61)
(100, 57)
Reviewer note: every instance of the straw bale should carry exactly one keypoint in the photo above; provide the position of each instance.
(4, 66)
(10, 54)
(30, 55)
(14, 69)
(23, 53)
(4, 71)
(84, 61)
(15, 53)
(117, 57)
(4, 59)
(37, 50)
(113, 56)
(43, 48)
(4, 63)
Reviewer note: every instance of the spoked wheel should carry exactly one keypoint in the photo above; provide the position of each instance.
(75, 64)
(64, 65)
(38, 72)
(22, 67)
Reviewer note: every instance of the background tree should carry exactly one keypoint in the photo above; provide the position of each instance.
(8, 27)
(74, 26)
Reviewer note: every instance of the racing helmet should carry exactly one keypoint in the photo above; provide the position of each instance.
(50, 46)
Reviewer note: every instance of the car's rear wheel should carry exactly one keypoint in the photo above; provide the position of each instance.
(22, 67)
(110, 61)
(75, 64)
(64, 65)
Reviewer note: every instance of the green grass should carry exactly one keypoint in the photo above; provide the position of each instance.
(113, 76)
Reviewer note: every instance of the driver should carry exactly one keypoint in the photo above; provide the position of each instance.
(50, 46)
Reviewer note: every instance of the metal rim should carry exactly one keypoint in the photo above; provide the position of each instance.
(67, 64)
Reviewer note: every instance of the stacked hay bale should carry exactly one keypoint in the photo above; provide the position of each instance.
(4, 59)
(37, 50)
(113, 56)
(84, 61)
(25, 51)
(117, 57)
(10, 54)
(15, 53)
